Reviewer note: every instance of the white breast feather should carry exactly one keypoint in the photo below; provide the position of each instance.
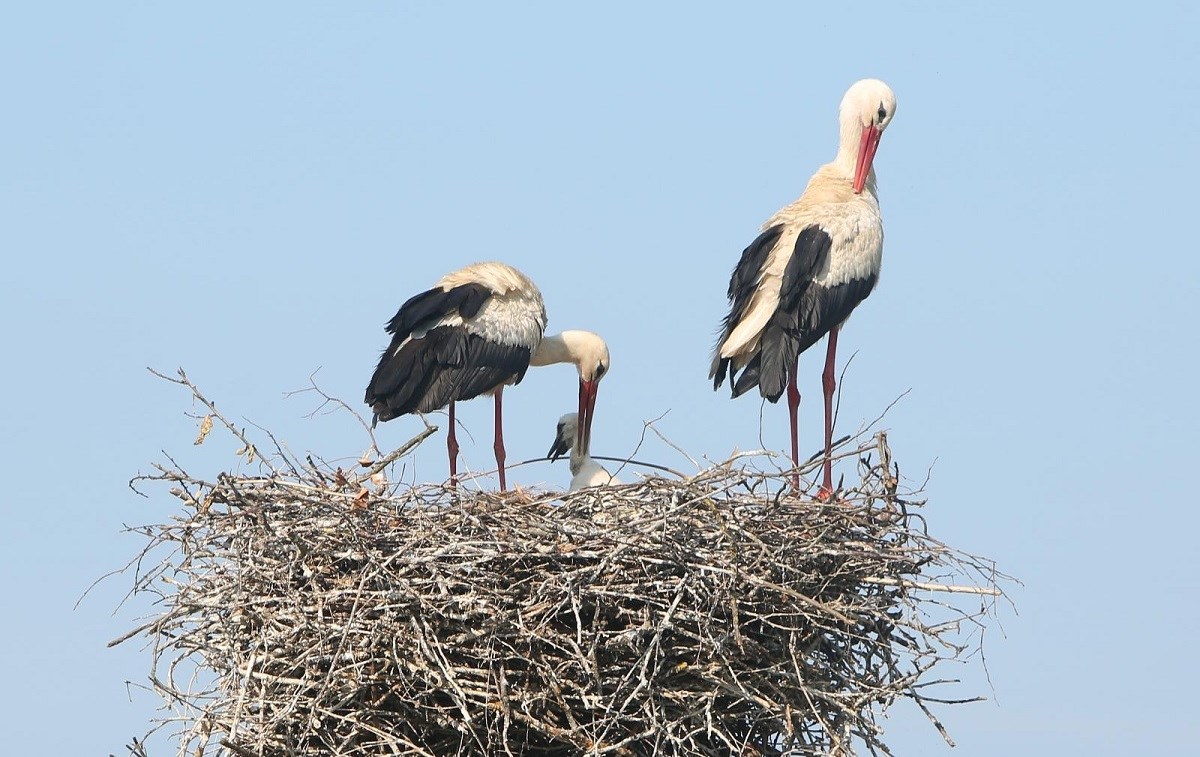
(515, 314)
(591, 473)
(857, 251)
(510, 319)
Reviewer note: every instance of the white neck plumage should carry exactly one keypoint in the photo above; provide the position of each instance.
(568, 347)
(847, 155)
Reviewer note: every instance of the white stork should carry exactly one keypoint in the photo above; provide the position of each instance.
(585, 471)
(814, 262)
(477, 330)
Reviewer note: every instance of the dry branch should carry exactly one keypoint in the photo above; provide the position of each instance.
(709, 616)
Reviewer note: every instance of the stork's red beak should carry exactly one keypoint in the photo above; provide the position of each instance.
(866, 155)
(587, 404)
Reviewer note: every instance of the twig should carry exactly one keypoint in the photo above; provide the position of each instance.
(625, 460)
(183, 380)
(400, 451)
(990, 591)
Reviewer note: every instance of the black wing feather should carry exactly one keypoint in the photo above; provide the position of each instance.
(443, 363)
(488, 365)
(742, 284)
(823, 309)
(780, 343)
(428, 307)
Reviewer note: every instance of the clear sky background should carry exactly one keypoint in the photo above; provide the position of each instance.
(251, 190)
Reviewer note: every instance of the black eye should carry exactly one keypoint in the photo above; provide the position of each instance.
(882, 112)
(600, 369)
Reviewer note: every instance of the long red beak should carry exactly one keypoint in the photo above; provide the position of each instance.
(866, 155)
(587, 404)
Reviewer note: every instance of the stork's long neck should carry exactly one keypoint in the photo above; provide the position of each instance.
(578, 459)
(573, 346)
(551, 350)
(847, 155)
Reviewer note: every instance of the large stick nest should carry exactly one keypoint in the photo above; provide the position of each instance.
(311, 610)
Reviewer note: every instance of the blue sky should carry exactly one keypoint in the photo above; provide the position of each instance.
(250, 192)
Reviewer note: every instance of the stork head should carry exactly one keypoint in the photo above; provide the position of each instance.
(589, 352)
(564, 436)
(867, 109)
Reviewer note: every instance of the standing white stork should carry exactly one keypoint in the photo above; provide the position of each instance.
(585, 471)
(813, 263)
(478, 329)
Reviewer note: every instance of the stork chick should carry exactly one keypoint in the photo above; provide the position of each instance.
(585, 471)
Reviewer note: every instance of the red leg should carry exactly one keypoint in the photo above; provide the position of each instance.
(793, 396)
(499, 445)
(452, 448)
(829, 384)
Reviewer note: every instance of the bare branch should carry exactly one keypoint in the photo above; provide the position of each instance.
(249, 448)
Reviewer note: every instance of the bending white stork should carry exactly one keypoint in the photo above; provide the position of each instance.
(585, 471)
(477, 330)
(813, 263)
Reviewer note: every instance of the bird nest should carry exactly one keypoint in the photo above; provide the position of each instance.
(311, 610)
